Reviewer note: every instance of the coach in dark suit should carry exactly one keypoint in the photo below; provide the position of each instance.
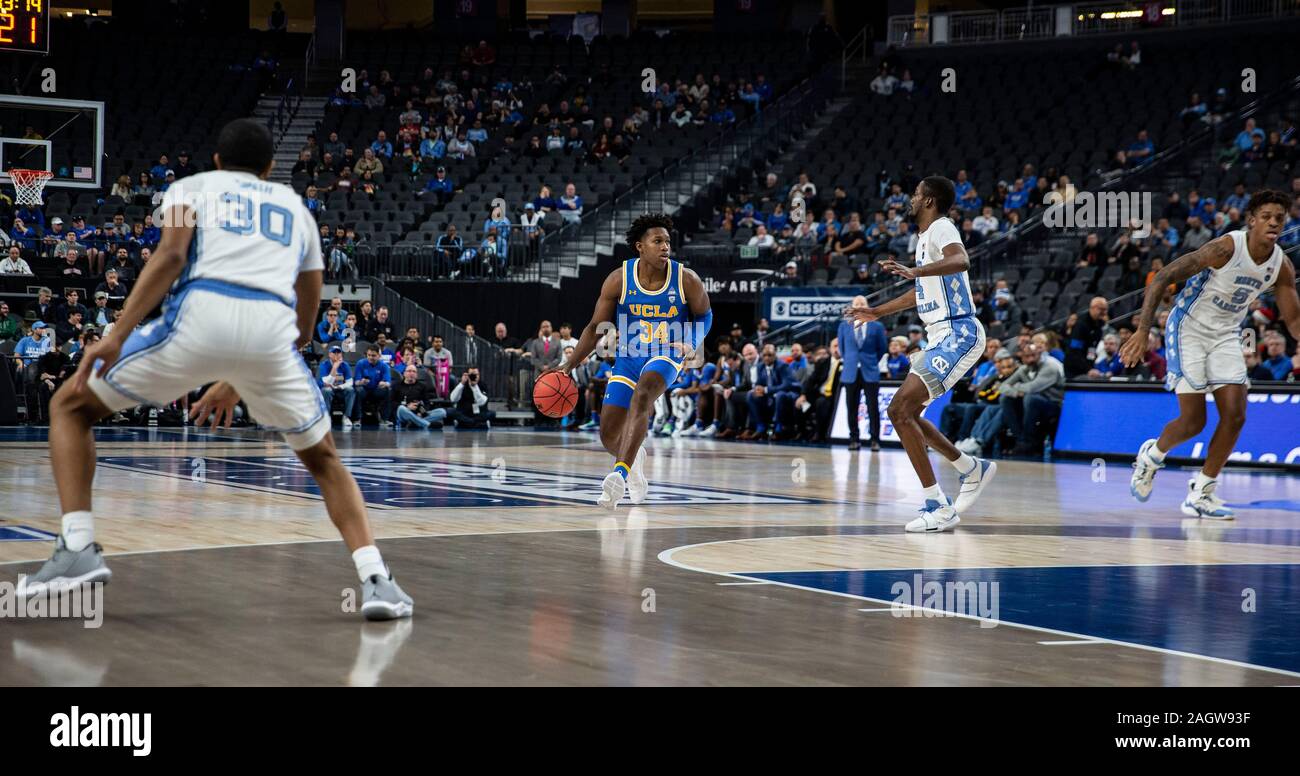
(772, 399)
(819, 390)
(863, 345)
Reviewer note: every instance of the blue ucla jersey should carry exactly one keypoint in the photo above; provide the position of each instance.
(649, 320)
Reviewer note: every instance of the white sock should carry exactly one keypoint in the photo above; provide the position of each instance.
(78, 530)
(963, 463)
(369, 563)
(1201, 480)
(1157, 454)
(936, 493)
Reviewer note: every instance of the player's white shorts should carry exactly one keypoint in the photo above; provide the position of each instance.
(953, 347)
(217, 331)
(1202, 363)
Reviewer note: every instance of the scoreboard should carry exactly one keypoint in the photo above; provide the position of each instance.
(25, 26)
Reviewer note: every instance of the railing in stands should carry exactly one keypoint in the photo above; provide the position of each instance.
(856, 50)
(683, 178)
(497, 368)
(1099, 18)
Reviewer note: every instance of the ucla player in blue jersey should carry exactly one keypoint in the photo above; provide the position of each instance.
(955, 337)
(662, 314)
(1203, 343)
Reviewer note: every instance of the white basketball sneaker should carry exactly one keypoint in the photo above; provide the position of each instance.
(638, 487)
(1203, 503)
(1144, 472)
(935, 518)
(611, 490)
(972, 484)
(709, 430)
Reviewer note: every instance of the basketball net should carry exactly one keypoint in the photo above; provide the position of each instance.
(28, 185)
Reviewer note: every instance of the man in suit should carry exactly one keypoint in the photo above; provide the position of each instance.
(863, 346)
(819, 390)
(771, 402)
(737, 394)
(545, 349)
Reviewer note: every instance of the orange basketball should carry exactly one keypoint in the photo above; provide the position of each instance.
(555, 395)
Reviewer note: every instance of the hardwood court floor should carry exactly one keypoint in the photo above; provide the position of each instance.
(751, 564)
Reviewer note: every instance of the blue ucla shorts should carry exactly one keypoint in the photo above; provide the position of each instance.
(628, 371)
(953, 347)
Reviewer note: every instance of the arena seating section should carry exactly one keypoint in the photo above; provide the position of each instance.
(608, 76)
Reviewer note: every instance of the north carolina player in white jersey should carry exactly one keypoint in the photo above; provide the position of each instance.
(941, 295)
(1203, 343)
(240, 266)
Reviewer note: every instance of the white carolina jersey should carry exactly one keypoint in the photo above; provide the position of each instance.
(1215, 300)
(249, 232)
(941, 297)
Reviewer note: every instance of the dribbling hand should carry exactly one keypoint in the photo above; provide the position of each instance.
(218, 401)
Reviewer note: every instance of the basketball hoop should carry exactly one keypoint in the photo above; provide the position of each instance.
(28, 185)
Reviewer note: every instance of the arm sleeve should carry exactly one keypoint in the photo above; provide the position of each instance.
(456, 392)
(699, 329)
(310, 258)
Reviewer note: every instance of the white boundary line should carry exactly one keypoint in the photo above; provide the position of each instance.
(667, 557)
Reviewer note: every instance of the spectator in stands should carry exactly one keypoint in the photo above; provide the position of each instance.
(22, 235)
(968, 198)
(380, 325)
(330, 330)
(113, 287)
(885, 82)
(1255, 371)
(70, 328)
(334, 377)
(502, 339)
(1276, 362)
(159, 171)
(1108, 363)
(305, 165)
(1032, 397)
(985, 223)
(903, 243)
(895, 364)
(1093, 254)
(372, 380)
(314, 204)
(570, 205)
(1195, 235)
(11, 326)
(1007, 316)
(375, 100)
(73, 267)
(1084, 336)
(449, 248)
(144, 188)
(986, 415)
(461, 148)
(850, 241)
(411, 396)
(762, 239)
(369, 163)
(494, 251)
(14, 264)
(819, 391)
(1140, 150)
(1049, 342)
(438, 360)
(441, 186)
(44, 308)
(864, 346)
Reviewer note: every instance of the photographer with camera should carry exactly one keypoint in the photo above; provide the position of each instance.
(471, 402)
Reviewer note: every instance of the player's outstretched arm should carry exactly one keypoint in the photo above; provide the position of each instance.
(606, 304)
(955, 259)
(897, 304)
(1213, 254)
(307, 287)
(1288, 301)
(155, 279)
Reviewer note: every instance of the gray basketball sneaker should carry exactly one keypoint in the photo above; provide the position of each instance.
(66, 569)
(382, 599)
